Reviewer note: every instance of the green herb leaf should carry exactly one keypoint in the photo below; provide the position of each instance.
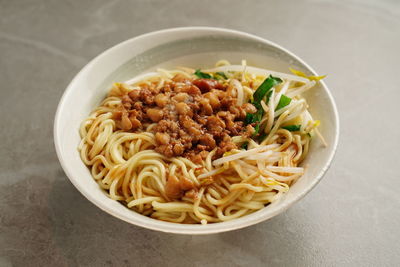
(258, 115)
(248, 119)
(256, 130)
(265, 87)
(263, 90)
(244, 145)
(202, 75)
(292, 128)
(261, 137)
(219, 74)
(283, 102)
(267, 97)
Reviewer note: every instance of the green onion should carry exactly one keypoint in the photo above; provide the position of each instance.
(254, 118)
(219, 74)
(258, 115)
(263, 90)
(244, 145)
(283, 102)
(202, 75)
(261, 137)
(265, 87)
(267, 97)
(292, 128)
(249, 118)
(256, 130)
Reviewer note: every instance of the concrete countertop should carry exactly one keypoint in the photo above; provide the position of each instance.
(350, 219)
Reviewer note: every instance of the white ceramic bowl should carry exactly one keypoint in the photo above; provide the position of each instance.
(194, 47)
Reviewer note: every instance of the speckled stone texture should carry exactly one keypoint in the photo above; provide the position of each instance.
(350, 219)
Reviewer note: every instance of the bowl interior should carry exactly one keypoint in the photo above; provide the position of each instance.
(196, 48)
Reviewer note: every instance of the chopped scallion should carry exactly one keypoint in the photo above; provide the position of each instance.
(219, 74)
(265, 87)
(202, 75)
(256, 130)
(263, 90)
(283, 102)
(245, 145)
(292, 128)
(261, 137)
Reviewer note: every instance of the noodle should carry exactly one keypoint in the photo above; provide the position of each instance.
(131, 169)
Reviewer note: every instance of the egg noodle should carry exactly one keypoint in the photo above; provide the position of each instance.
(240, 182)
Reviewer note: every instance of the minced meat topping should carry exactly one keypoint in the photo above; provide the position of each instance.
(192, 116)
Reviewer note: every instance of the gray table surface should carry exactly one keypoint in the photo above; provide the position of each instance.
(350, 219)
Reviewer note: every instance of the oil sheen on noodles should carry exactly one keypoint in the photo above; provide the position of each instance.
(126, 165)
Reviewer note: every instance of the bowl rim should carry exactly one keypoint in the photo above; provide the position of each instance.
(194, 229)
